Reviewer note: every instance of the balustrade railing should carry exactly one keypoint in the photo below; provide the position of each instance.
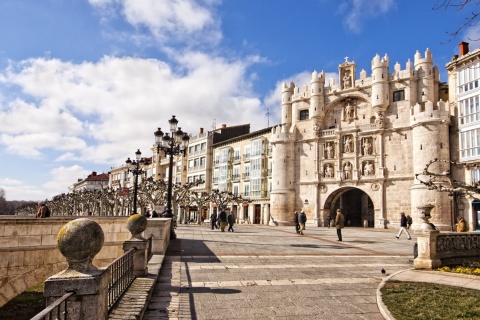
(121, 276)
(57, 310)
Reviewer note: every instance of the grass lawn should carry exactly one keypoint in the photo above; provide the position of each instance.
(25, 305)
(419, 300)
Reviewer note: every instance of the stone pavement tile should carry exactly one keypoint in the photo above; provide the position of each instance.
(357, 299)
(268, 302)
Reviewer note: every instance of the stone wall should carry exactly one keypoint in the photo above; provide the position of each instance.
(28, 248)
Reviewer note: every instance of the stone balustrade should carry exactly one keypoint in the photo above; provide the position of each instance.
(28, 248)
(436, 249)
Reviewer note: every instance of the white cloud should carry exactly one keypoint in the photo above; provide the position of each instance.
(100, 112)
(357, 11)
(173, 20)
(59, 180)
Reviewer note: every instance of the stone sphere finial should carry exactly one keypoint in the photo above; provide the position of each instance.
(136, 224)
(79, 241)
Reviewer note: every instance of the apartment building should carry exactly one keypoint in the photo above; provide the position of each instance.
(242, 166)
(464, 90)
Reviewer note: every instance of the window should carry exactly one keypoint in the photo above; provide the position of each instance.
(470, 144)
(204, 146)
(257, 148)
(304, 114)
(202, 161)
(236, 154)
(475, 175)
(398, 95)
(246, 190)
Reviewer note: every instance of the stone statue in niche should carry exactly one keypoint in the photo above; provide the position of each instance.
(329, 152)
(328, 171)
(368, 168)
(348, 144)
(347, 170)
(367, 147)
(349, 112)
(347, 82)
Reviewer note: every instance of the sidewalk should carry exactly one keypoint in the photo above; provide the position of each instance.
(261, 272)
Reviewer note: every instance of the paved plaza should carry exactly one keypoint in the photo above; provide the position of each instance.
(262, 272)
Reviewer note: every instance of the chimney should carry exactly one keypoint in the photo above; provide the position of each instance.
(94, 173)
(463, 48)
(224, 126)
(201, 130)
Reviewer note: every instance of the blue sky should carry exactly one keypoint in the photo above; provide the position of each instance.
(85, 83)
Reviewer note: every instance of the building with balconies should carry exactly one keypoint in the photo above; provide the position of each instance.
(242, 166)
(464, 92)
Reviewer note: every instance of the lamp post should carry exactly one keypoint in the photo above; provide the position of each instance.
(172, 144)
(134, 167)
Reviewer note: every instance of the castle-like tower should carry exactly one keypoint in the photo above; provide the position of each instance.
(357, 144)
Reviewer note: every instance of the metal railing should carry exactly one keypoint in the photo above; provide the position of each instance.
(121, 276)
(57, 310)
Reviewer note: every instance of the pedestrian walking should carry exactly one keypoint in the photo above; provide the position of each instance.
(231, 221)
(403, 226)
(302, 218)
(339, 223)
(213, 220)
(222, 218)
(297, 226)
(409, 221)
(329, 220)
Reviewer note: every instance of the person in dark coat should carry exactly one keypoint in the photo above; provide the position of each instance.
(231, 221)
(302, 219)
(213, 220)
(222, 218)
(339, 223)
(297, 226)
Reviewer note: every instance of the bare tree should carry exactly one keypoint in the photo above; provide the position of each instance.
(458, 5)
(436, 179)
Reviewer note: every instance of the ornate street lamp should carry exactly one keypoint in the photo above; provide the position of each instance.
(134, 167)
(172, 144)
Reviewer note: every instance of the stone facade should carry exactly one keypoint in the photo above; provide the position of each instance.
(357, 145)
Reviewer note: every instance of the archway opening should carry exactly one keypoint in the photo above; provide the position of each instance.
(356, 206)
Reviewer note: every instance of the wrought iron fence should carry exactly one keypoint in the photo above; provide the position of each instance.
(57, 310)
(121, 276)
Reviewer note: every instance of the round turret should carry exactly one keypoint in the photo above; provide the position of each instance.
(317, 100)
(426, 76)
(287, 93)
(380, 90)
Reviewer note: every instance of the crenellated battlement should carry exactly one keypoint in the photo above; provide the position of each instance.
(378, 62)
(427, 59)
(281, 134)
(318, 77)
(301, 93)
(428, 112)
